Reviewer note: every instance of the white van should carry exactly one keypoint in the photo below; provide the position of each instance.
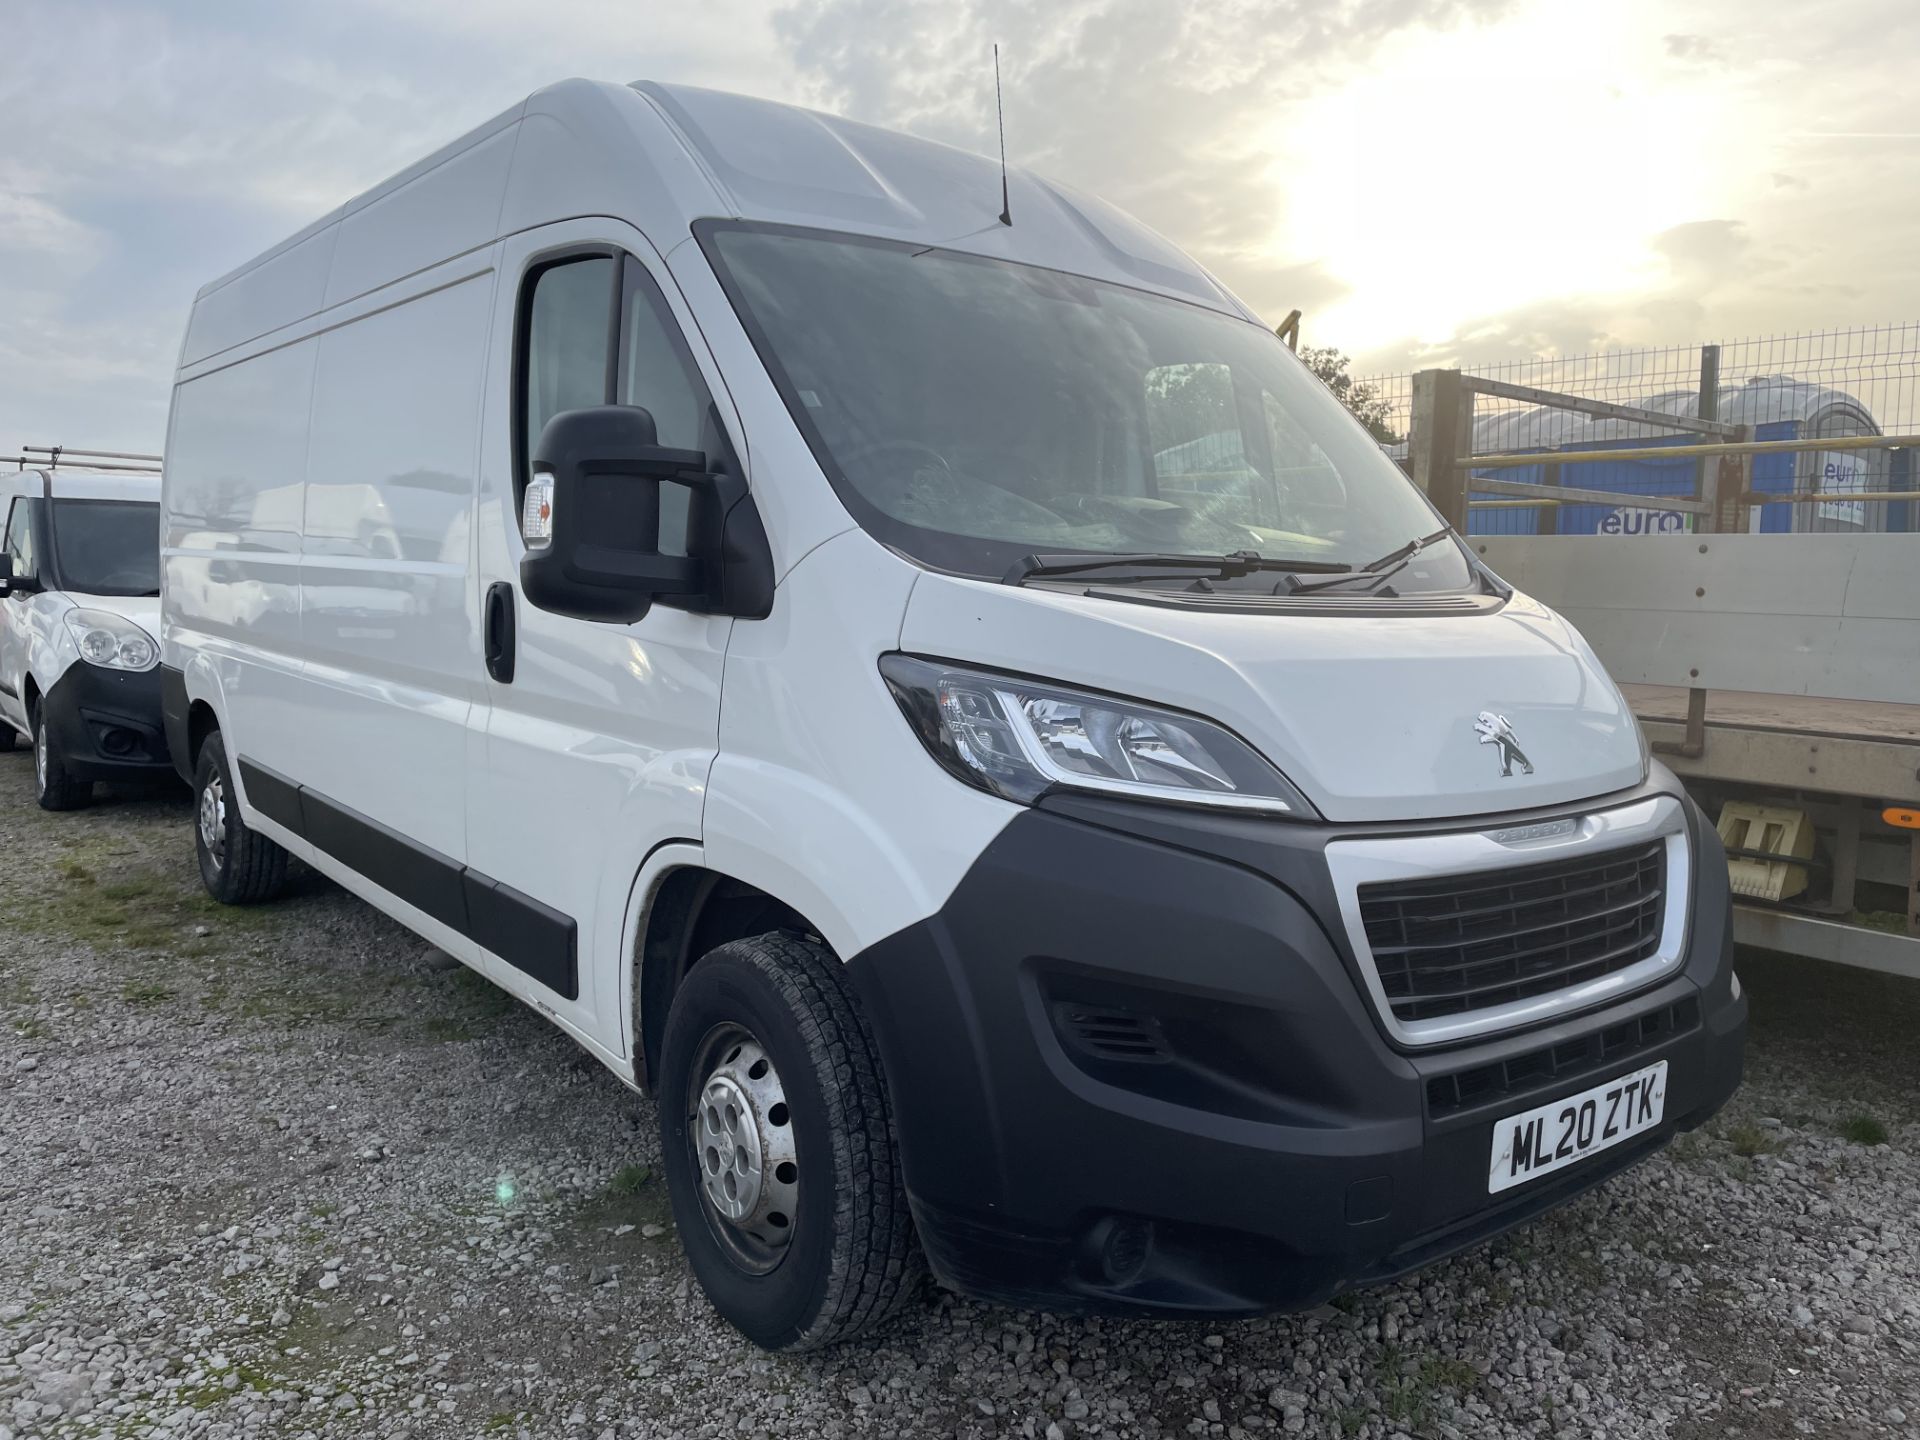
(951, 707)
(80, 577)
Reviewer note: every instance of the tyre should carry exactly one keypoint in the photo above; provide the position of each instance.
(54, 786)
(9, 737)
(778, 1147)
(237, 865)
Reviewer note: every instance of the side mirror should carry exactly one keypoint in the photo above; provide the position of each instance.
(591, 516)
(6, 575)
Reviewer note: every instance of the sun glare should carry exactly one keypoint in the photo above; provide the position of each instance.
(1468, 173)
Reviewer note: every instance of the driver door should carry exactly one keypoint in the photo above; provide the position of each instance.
(598, 738)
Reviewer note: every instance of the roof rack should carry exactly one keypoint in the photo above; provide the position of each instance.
(129, 461)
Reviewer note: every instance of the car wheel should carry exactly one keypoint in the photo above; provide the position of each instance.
(778, 1147)
(238, 866)
(54, 786)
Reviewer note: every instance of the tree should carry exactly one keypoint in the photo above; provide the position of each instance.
(1367, 404)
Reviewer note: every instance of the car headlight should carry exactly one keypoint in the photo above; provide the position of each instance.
(112, 640)
(1019, 738)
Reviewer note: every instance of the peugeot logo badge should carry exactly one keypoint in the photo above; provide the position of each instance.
(1494, 730)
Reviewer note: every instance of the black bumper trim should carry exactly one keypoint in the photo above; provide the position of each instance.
(1270, 1147)
(530, 936)
(107, 723)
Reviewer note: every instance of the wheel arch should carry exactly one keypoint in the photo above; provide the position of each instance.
(202, 721)
(689, 908)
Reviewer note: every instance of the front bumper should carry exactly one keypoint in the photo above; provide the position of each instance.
(1134, 1068)
(107, 723)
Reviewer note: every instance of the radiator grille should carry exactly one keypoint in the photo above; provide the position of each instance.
(1608, 1050)
(1457, 944)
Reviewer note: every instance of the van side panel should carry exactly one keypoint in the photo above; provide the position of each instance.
(447, 211)
(230, 543)
(275, 293)
(388, 614)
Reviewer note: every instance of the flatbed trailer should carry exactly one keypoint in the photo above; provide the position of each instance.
(1773, 670)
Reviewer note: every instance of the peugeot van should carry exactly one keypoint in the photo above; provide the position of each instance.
(80, 577)
(939, 697)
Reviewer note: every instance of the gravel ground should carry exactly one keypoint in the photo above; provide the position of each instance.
(283, 1172)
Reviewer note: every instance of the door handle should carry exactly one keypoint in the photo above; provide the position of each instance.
(496, 632)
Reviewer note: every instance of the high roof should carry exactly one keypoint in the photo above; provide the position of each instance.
(661, 157)
(785, 165)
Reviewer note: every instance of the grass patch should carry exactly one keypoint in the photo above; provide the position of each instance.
(1403, 1401)
(1749, 1140)
(112, 895)
(629, 1179)
(1448, 1372)
(1411, 1392)
(1863, 1130)
(214, 1392)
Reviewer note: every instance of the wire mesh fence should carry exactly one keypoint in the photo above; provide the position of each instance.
(1765, 380)
(1819, 385)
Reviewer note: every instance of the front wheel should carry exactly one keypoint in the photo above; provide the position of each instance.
(778, 1147)
(238, 866)
(55, 786)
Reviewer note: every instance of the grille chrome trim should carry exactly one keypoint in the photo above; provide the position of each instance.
(1411, 858)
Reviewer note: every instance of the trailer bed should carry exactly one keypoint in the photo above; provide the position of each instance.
(1798, 714)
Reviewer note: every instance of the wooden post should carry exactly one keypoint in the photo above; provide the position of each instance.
(1735, 480)
(1707, 406)
(1442, 433)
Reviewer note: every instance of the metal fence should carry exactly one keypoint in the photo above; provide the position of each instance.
(1833, 387)
(1878, 366)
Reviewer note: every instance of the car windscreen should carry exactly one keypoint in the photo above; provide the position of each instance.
(107, 547)
(973, 411)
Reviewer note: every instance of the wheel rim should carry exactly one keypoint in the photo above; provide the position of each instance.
(40, 755)
(213, 820)
(740, 1132)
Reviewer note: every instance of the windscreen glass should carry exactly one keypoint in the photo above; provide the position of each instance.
(108, 547)
(973, 411)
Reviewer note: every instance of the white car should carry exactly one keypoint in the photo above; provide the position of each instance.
(80, 573)
(952, 707)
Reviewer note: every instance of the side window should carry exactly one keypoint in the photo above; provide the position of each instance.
(573, 357)
(657, 374)
(1193, 423)
(567, 352)
(20, 540)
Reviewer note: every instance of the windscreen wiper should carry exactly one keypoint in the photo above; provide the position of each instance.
(1375, 572)
(1147, 565)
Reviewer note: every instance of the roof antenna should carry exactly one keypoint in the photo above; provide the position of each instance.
(1000, 114)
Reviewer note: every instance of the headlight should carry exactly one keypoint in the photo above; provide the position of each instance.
(111, 640)
(1019, 738)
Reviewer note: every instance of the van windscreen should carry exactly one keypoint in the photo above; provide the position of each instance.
(972, 411)
(107, 547)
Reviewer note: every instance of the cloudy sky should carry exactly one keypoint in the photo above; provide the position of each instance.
(1429, 180)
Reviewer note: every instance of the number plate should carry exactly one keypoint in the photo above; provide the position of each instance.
(1554, 1136)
